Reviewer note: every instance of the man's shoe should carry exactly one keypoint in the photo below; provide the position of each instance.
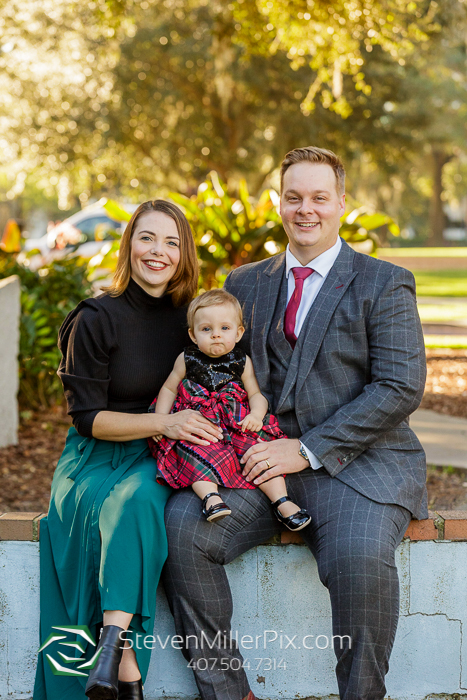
(130, 690)
(294, 522)
(102, 682)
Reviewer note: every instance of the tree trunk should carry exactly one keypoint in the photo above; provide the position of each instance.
(437, 215)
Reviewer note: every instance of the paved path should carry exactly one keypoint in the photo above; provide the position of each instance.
(442, 300)
(459, 328)
(444, 438)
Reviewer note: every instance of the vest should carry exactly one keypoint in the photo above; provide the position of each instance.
(280, 357)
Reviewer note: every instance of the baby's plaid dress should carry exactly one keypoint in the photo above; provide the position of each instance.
(212, 386)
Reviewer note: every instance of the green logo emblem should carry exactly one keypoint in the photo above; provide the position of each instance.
(56, 666)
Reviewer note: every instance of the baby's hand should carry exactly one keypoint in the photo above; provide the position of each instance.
(251, 422)
(157, 438)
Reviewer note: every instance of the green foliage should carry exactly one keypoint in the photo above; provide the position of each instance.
(335, 39)
(232, 229)
(123, 97)
(47, 296)
(359, 226)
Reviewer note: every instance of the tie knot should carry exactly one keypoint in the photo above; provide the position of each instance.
(301, 273)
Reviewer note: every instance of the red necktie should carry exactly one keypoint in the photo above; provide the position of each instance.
(300, 274)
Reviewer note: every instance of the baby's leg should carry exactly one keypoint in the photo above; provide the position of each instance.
(275, 489)
(202, 488)
(214, 506)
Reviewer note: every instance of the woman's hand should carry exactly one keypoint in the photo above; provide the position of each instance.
(191, 426)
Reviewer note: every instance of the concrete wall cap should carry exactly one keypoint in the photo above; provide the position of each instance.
(442, 524)
(22, 526)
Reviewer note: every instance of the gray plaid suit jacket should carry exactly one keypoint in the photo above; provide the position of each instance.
(358, 374)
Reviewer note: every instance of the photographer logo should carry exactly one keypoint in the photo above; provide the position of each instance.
(58, 669)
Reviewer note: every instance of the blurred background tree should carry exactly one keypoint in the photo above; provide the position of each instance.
(133, 99)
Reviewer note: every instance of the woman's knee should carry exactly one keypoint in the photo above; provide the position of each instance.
(135, 494)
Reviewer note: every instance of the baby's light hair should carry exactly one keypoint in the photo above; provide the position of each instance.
(215, 297)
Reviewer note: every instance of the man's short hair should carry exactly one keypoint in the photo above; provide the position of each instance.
(313, 154)
(215, 297)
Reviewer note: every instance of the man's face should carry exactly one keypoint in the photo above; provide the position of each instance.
(311, 209)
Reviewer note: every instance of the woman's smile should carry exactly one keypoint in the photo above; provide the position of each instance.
(155, 264)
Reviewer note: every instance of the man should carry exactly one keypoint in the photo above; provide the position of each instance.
(338, 350)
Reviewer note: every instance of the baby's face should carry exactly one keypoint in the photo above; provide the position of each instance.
(216, 330)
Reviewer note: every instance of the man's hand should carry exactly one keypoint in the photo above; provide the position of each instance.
(251, 422)
(282, 456)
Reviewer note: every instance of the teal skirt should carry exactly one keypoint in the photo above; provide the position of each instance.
(102, 547)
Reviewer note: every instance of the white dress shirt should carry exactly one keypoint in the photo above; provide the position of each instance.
(311, 286)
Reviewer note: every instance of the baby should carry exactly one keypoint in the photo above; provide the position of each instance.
(217, 378)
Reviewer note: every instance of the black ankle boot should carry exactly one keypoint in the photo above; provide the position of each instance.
(130, 690)
(103, 680)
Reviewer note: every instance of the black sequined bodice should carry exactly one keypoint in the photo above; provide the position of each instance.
(214, 372)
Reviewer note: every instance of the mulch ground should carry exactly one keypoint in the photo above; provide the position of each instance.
(446, 384)
(26, 469)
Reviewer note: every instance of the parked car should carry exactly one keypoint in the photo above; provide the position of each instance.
(83, 234)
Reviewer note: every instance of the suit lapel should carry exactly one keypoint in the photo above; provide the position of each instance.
(335, 285)
(268, 287)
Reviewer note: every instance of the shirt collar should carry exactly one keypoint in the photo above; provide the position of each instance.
(321, 264)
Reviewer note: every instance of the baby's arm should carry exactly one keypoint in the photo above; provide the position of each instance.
(258, 403)
(168, 393)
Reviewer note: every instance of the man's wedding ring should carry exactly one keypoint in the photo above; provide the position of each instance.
(269, 466)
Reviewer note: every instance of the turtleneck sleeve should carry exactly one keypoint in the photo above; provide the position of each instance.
(86, 340)
(117, 352)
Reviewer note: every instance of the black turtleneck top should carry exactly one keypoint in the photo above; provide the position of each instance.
(117, 352)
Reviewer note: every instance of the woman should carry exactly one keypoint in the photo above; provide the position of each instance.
(103, 543)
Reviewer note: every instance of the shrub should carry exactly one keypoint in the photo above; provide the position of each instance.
(47, 296)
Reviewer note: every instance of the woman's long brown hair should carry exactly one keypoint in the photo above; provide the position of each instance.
(184, 283)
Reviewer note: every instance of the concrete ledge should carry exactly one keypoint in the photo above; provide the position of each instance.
(440, 525)
(455, 524)
(20, 526)
(276, 589)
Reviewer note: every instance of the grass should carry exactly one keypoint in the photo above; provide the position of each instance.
(441, 283)
(442, 313)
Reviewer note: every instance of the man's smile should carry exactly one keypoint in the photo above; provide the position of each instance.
(307, 224)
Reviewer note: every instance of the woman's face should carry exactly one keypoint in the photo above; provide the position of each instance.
(155, 252)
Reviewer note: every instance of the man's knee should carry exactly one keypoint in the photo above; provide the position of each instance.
(367, 562)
